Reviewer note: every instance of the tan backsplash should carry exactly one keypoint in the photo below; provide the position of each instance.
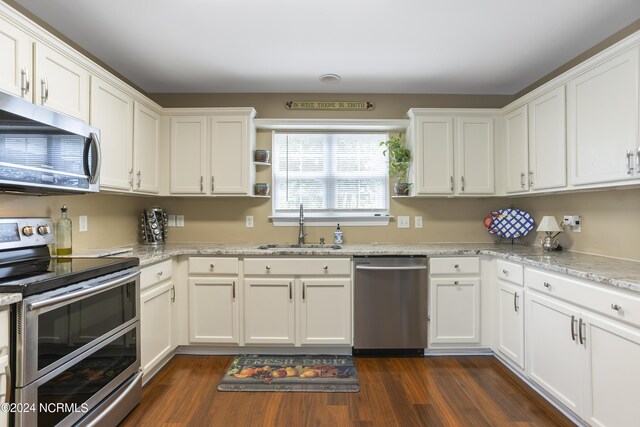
(610, 219)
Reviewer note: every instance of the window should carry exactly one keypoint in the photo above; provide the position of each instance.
(334, 175)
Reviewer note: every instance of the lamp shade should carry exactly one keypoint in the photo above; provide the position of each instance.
(549, 223)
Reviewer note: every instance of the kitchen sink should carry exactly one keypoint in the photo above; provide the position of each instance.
(295, 246)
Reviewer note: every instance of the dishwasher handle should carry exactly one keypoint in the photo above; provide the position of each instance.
(391, 268)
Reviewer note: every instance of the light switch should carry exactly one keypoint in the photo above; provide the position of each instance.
(83, 223)
(403, 222)
(171, 220)
(179, 220)
(418, 221)
(249, 221)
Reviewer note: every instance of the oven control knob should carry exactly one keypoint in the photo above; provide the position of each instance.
(44, 230)
(27, 231)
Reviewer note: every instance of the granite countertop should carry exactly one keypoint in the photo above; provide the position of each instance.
(609, 271)
(8, 299)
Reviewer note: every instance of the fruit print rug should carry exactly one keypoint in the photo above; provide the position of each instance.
(307, 373)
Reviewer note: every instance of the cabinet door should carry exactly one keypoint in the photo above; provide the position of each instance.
(188, 159)
(60, 83)
(15, 67)
(213, 310)
(548, 141)
(4, 367)
(517, 155)
(325, 311)
(475, 155)
(146, 149)
(602, 120)
(511, 322)
(155, 324)
(434, 155)
(112, 113)
(229, 159)
(269, 311)
(555, 358)
(614, 373)
(455, 311)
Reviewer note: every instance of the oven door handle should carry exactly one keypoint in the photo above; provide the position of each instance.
(390, 268)
(81, 293)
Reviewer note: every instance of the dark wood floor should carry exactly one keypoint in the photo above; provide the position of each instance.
(431, 391)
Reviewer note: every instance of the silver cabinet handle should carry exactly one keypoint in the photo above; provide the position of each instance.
(173, 293)
(304, 288)
(25, 84)
(505, 272)
(233, 290)
(139, 175)
(522, 179)
(456, 282)
(547, 285)
(451, 182)
(462, 183)
(456, 266)
(616, 307)
(290, 291)
(213, 186)
(580, 324)
(211, 267)
(629, 162)
(268, 267)
(515, 302)
(573, 327)
(638, 160)
(201, 183)
(326, 267)
(44, 96)
(159, 274)
(7, 392)
(131, 179)
(530, 178)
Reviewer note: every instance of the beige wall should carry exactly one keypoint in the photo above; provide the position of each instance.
(112, 219)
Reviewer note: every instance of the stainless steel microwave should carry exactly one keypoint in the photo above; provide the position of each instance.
(45, 152)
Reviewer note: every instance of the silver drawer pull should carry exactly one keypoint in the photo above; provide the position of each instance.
(505, 272)
(326, 267)
(456, 266)
(456, 283)
(159, 273)
(616, 307)
(547, 285)
(211, 266)
(268, 267)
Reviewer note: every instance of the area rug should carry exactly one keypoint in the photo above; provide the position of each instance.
(316, 373)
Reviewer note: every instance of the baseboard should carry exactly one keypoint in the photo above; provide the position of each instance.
(458, 352)
(235, 350)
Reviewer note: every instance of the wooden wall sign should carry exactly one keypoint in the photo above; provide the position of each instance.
(330, 105)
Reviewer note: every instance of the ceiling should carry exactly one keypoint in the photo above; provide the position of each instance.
(376, 46)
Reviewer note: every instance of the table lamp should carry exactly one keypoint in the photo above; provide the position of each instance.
(549, 226)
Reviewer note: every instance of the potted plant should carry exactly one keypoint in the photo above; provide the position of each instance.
(399, 162)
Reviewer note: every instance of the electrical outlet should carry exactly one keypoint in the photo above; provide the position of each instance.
(179, 220)
(249, 221)
(403, 222)
(573, 221)
(418, 222)
(171, 220)
(83, 223)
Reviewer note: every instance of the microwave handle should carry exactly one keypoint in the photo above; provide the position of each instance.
(95, 143)
(73, 296)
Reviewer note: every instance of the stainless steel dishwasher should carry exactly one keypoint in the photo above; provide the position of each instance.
(390, 305)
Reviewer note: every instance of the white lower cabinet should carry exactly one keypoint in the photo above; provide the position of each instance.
(511, 322)
(156, 306)
(157, 298)
(213, 310)
(325, 311)
(269, 310)
(584, 360)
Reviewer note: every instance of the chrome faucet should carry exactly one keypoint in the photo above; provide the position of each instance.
(301, 233)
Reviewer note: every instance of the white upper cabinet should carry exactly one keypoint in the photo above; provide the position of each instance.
(188, 154)
(453, 155)
(60, 83)
(16, 67)
(517, 151)
(146, 149)
(602, 121)
(112, 113)
(211, 152)
(474, 144)
(548, 141)
(433, 153)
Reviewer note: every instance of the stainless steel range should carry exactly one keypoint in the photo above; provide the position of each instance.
(75, 335)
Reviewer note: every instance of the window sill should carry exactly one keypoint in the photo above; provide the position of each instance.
(331, 221)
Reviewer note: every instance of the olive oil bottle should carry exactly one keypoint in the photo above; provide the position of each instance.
(63, 233)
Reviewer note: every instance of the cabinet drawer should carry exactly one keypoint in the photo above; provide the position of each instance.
(213, 265)
(297, 266)
(510, 272)
(155, 273)
(618, 304)
(454, 265)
